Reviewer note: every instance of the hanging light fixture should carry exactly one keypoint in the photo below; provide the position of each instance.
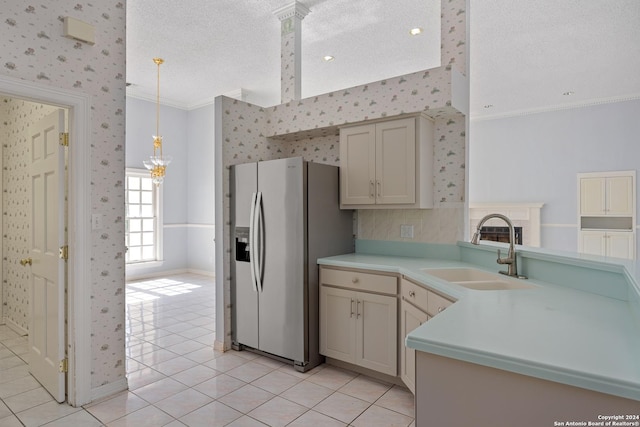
(157, 163)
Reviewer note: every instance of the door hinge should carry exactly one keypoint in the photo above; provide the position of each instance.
(64, 252)
(64, 365)
(64, 139)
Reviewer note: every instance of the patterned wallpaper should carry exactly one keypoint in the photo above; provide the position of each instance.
(32, 48)
(308, 128)
(423, 90)
(16, 116)
(453, 33)
(449, 158)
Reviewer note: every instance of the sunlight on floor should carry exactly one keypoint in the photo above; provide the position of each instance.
(148, 290)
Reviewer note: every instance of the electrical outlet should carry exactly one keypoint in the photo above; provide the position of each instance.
(406, 231)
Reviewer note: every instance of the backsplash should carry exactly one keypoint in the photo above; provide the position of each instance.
(33, 49)
(16, 117)
(442, 225)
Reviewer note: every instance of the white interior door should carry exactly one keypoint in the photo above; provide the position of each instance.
(46, 304)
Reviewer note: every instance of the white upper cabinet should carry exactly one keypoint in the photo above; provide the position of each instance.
(387, 164)
(395, 162)
(607, 213)
(358, 165)
(606, 195)
(619, 196)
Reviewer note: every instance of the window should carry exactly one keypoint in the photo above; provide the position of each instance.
(143, 226)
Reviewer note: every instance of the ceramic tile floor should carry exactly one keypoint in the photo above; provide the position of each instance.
(176, 379)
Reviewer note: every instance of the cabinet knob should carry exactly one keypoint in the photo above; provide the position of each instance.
(355, 280)
(412, 293)
(441, 309)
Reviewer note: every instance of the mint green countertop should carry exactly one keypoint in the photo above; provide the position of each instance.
(579, 326)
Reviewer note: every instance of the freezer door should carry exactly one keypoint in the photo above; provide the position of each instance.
(245, 304)
(283, 297)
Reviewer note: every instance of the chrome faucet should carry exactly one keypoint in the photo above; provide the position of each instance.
(510, 260)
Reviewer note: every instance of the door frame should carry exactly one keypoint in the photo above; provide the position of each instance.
(79, 232)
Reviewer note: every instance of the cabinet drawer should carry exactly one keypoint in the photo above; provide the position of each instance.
(359, 281)
(415, 294)
(436, 303)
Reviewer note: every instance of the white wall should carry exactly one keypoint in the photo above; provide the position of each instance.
(200, 194)
(188, 186)
(536, 158)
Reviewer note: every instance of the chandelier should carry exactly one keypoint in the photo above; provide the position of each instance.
(157, 163)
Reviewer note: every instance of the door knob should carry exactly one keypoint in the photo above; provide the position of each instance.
(26, 261)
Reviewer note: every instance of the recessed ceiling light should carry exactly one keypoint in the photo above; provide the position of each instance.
(415, 31)
(568, 93)
(488, 106)
(328, 58)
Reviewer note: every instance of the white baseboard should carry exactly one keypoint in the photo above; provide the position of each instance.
(202, 272)
(109, 389)
(152, 275)
(15, 327)
(219, 346)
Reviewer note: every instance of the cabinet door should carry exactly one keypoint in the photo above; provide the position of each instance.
(436, 304)
(377, 332)
(357, 165)
(592, 242)
(410, 319)
(592, 196)
(620, 244)
(396, 161)
(338, 323)
(619, 196)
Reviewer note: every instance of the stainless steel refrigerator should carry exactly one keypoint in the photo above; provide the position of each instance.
(285, 215)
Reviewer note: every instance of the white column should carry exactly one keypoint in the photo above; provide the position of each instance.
(291, 17)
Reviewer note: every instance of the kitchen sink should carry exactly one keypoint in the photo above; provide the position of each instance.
(479, 280)
(493, 285)
(462, 274)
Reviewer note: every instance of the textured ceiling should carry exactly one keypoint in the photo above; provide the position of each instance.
(524, 54)
(214, 47)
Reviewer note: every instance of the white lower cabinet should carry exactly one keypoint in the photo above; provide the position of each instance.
(360, 322)
(410, 318)
(418, 304)
(357, 326)
(617, 244)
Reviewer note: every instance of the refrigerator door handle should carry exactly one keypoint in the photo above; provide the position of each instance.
(252, 247)
(259, 222)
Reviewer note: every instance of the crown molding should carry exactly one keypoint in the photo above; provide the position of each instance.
(150, 98)
(294, 9)
(568, 106)
(239, 94)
